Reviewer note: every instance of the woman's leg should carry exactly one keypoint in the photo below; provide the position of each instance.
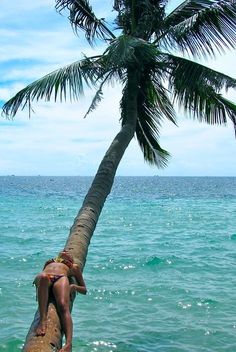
(42, 281)
(61, 291)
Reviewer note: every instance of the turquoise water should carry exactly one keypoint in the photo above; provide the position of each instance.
(160, 269)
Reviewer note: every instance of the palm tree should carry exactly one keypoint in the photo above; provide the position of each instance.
(142, 58)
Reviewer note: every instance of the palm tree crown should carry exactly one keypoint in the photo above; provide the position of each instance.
(146, 44)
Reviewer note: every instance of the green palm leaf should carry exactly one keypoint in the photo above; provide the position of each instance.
(64, 83)
(185, 11)
(153, 153)
(96, 100)
(121, 51)
(188, 73)
(147, 133)
(230, 109)
(83, 18)
(98, 96)
(201, 27)
(140, 18)
(159, 101)
(197, 90)
(127, 51)
(153, 105)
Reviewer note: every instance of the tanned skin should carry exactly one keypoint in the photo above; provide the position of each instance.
(62, 291)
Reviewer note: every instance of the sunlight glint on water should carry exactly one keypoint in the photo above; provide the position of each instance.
(160, 268)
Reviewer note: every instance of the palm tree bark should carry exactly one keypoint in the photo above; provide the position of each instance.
(87, 218)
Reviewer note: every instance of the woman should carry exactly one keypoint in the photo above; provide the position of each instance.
(55, 276)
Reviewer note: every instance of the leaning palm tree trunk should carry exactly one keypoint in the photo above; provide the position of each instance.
(86, 220)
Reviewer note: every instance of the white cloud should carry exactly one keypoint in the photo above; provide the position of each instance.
(59, 131)
(57, 140)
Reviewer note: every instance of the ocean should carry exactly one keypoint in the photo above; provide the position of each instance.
(161, 267)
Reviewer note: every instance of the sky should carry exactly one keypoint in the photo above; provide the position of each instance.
(56, 140)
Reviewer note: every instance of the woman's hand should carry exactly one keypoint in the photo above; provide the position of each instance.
(73, 289)
(77, 289)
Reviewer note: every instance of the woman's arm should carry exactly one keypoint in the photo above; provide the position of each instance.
(81, 287)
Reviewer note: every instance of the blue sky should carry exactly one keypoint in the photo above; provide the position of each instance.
(56, 140)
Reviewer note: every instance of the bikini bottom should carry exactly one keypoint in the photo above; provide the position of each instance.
(54, 278)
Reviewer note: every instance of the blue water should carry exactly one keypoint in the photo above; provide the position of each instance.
(160, 269)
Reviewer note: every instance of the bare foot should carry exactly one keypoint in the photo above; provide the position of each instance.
(41, 329)
(66, 348)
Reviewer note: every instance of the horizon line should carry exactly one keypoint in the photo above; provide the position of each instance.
(12, 175)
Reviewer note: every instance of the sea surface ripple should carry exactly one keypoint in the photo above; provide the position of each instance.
(160, 269)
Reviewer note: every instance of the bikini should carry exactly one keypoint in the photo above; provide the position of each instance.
(53, 277)
(59, 260)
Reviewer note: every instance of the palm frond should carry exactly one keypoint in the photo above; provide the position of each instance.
(64, 83)
(201, 101)
(197, 89)
(160, 100)
(185, 11)
(230, 109)
(201, 27)
(96, 100)
(97, 97)
(83, 18)
(126, 51)
(190, 73)
(140, 18)
(152, 151)
(120, 53)
(153, 105)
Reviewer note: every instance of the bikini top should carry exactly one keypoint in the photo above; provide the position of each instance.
(59, 260)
